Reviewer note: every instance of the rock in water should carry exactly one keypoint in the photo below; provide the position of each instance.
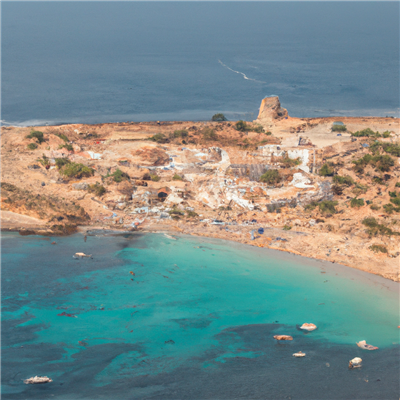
(308, 327)
(355, 363)
(270, 110)
(283, 337)
(37, 379)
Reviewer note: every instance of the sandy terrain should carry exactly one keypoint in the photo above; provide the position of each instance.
(195, 173)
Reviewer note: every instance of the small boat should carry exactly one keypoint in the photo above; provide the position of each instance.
(299, 354)
(81, 255)
(283, 337)
(38, 379)
(355, 363)
(363, 344)
(308, 327)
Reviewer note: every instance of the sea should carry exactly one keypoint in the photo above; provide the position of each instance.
(98, 61)
(155, 316)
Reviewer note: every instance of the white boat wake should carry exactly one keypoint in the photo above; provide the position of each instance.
(241, 73)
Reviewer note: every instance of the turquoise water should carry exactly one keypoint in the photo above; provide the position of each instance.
(187, 305)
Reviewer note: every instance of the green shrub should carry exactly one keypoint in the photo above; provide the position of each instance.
(389, 208)
(290, 162)
(37, 135)
(311, 206)
(386, 134)
(191, 214)
(209, 134)
(377, 229)
(268, 133)
(287, 228)
(326, 170)
(376, 248)
(360, 189)
(44, 160)
(32, 146)
(374, 207)
(343, 180)
(62, 136)
(397, 184)
(368, 132)
(76, 170)
(258, 129)
(370, 222)
(241, 126)
(218, 117)
(159, 138)
(328, 206)
(60, 162)
(393, 194)
(339, 128)
(355, 203)
(390, 148)
(66, 146)
(382, 163)
(180, 133)
(155, 178)
(177, 177)
(395, 201)
(97, 189)
(271, 177)
(378, 180)
(337, 189)
(119, 176)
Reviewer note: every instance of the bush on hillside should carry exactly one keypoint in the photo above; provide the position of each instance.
(120, 176)
(37, 135)
(97, 189)
(177, 177)
(76, 170)
(271, 177)
(378, 248)
(326, 170)
(32, 146)
(356, 203)
(339, 128)
(209, 134)
(218, 117)
(159, 138)
(343, 180)
(60, 162)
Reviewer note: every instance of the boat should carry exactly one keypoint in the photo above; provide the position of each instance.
(38, 379)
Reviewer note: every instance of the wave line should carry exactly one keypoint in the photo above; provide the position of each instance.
(241, 73)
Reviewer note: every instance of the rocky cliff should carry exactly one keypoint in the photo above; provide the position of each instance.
(270, 110)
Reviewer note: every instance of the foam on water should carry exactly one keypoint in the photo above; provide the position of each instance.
(188, 305)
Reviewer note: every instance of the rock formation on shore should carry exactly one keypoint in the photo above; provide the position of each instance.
(271, 110)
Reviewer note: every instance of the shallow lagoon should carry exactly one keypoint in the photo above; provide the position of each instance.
(195, 320)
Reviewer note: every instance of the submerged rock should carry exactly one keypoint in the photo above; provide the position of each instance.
(38, 379)
(283, 337)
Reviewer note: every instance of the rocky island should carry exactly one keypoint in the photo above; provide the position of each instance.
(325, 188)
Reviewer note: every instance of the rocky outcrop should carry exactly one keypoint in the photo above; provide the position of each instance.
(271, 110)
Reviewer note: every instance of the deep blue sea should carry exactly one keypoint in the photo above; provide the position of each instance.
(149, 317)
(94, 62)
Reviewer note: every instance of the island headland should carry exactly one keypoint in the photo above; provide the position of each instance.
(325, 188)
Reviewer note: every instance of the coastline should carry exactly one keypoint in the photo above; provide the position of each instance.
(285, 254)
(39, 199)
